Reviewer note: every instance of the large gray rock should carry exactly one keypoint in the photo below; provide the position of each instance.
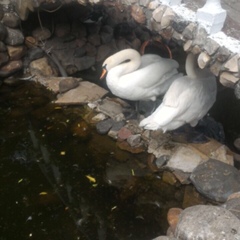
(14, 37)
(216, 180)
(233, 204)
(204, 222)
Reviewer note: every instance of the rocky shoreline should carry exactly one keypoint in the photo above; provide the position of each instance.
(204, 163)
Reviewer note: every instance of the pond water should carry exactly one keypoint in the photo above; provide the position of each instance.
(62, 180)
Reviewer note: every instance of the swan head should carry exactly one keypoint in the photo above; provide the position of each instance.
(107, 65)
(119, 58)
(104, 71)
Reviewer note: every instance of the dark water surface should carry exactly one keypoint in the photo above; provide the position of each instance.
(59, 179)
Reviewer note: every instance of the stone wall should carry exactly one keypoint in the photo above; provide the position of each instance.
(217, 51)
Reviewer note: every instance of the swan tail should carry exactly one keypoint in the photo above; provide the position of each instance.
(150, 125)
(160, 119)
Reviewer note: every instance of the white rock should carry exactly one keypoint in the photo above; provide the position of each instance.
(171, 2)
(185, 159)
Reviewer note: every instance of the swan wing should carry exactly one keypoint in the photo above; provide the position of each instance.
(187, 100)
(157, 73)
(176, 103)
(179, 92)
(148, 59)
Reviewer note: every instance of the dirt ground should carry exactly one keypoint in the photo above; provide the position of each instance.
(232, 23)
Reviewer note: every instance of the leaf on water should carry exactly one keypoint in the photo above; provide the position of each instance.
(113, 208)
(133, 173)
(20, 180)
(58, 108)
(62, 153)
(43, 193)
(91, 179)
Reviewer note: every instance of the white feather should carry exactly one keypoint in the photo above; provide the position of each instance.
(187, 100)
(142, 77)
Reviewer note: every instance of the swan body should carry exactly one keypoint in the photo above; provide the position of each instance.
(141, 77)
(187, 100)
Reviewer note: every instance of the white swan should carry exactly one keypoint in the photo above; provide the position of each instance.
(135, 77)
(187, 100)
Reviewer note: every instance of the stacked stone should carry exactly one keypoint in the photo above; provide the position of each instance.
(12, 46)
(193, 37)
(97, 43)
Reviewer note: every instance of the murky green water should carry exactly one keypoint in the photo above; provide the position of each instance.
(61, 180)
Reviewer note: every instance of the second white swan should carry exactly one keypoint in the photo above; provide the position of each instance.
(135, 77)
(187, 100)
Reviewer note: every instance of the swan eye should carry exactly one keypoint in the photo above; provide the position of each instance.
(104, 66)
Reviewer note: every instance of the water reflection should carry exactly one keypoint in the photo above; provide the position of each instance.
(61, 180)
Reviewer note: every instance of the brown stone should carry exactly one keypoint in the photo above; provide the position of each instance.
(134, 140)
(67, 84)
(232, 64)
(167, 33)
(182, 177)
(214, 149)
(51, 83)
(124, 133)
(42, 67)
(23, 7)
(31, 42)
(173, 217)
(196, 49)
(216, 68)
(112, 108)
(41, 34)
(84, 93)
(187, 46)
(10, 68)
(125, 146)
(138, 14)
(228, 80)
(16, 52)
(169, 178)
(203, 60)
(158, 13)
(167, 18)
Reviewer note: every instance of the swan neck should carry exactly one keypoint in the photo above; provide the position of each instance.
(133, 59)
(191, 65)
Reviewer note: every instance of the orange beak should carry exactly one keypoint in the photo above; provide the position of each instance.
(104, 72)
